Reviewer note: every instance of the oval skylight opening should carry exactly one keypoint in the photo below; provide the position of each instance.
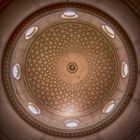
(124, 69)
(16, 71)
(108, 30)
(31, 32)
(69, 15)
(109, 107)
(71, 123)
(33, 108)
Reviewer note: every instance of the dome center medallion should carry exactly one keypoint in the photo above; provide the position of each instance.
(72, 67)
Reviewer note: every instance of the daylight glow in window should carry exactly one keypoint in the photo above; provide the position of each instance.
(71, 123)
(69, 15)
(31, 32)
(108, 30)
(109, 107)
(16, 71)
(124, 69)
(33, 108)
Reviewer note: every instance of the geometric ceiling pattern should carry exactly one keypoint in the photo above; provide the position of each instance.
(69, 66)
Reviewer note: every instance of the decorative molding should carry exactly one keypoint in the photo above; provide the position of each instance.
(134, 5)
(133, 135)
(6, 78)
(4, 4)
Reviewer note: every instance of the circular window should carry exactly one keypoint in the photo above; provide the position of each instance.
(124, 69)
(31, 32)
(16, 71)
(109, 107)
(33, 108)
(71, 123)
(69, 15)
(108, 30)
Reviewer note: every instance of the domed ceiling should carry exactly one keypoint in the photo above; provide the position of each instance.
(69, 70)
(71, 67)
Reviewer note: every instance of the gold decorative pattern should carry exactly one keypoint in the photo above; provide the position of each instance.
(50, 81)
